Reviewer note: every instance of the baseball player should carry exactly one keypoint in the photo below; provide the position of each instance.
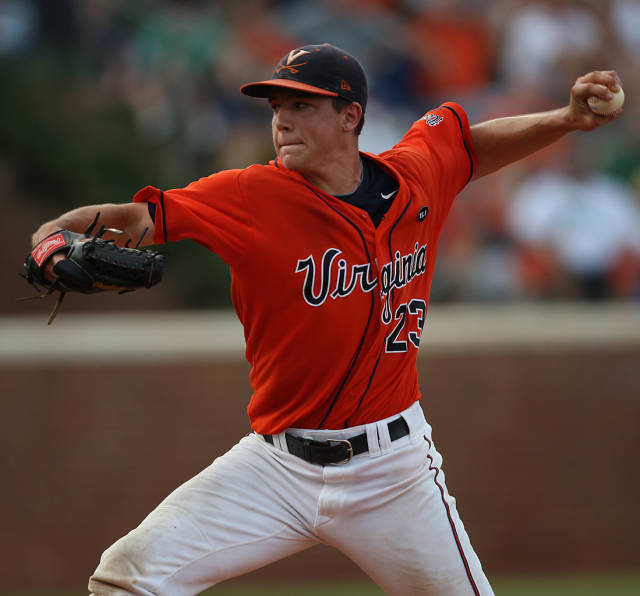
(331, 252)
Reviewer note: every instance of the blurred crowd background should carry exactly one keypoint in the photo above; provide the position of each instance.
(101, 97)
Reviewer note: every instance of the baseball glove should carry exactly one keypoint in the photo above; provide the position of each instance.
(92, 264)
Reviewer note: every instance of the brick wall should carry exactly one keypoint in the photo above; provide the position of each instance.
(541, 451)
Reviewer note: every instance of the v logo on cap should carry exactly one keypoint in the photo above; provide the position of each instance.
(293, 54)
(320, 69)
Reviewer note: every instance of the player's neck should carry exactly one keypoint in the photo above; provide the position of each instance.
(340, 175)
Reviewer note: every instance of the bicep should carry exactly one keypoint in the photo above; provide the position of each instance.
(485, 142)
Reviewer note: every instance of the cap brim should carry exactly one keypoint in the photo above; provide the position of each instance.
(263, 88)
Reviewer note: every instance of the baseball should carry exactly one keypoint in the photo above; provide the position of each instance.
(606, 108)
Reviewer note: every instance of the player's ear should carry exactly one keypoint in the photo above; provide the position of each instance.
(351, 116)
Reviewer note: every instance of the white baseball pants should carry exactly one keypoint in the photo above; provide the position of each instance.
(388, 510)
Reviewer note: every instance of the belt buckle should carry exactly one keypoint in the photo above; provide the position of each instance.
(349, 450)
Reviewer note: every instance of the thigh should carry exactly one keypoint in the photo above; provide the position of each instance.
(402, 527)
(244, 511)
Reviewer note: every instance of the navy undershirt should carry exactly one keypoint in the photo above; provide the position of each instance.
(374, 194)
(376, 191)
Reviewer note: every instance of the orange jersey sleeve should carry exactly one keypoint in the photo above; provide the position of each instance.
(211, 211)
(438, 151)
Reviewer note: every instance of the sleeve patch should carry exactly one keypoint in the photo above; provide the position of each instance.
(431, 119)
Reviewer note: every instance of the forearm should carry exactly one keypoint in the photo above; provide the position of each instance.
(131, 218)
(505, 140)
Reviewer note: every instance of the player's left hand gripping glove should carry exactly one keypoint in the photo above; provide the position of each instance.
(92, 264)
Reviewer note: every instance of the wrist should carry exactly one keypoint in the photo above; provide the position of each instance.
(43, 231)
(565, 120)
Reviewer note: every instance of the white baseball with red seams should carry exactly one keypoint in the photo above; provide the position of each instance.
(604, 107)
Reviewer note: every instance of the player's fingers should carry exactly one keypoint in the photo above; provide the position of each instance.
(583, 91)
(608, 78)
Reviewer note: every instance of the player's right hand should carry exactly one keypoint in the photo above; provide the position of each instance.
(580, 114)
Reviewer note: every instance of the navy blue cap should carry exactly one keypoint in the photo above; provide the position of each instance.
(319, 69)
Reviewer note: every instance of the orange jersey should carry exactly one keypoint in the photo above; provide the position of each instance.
(332, 307)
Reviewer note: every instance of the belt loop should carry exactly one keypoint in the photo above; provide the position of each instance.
(383, 437)
(372, 440)
(280, 442)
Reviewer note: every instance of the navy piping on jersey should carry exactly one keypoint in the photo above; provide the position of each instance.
(373, 372)
(151, 207)
(357, 354)
(393, 227)
(164, 220)
(464, 142)
(434, 468)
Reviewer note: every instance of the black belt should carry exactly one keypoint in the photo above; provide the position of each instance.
(337, 451)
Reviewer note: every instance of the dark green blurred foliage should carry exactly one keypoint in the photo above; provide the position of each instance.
(202, 278)
(66, 147)
(62, 145)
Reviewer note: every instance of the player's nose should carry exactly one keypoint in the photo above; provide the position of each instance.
(281, 121)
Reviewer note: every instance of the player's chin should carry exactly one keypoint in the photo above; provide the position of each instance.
(292, 158)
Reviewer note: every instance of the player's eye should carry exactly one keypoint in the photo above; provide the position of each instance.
(300, 105)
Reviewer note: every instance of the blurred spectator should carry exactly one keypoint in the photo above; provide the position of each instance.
(577, 231)
(625, 16)
(454, 48)
(549, 42)
(101, 96)
(476, 260)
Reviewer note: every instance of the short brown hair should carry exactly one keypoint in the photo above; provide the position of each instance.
(340, 104)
